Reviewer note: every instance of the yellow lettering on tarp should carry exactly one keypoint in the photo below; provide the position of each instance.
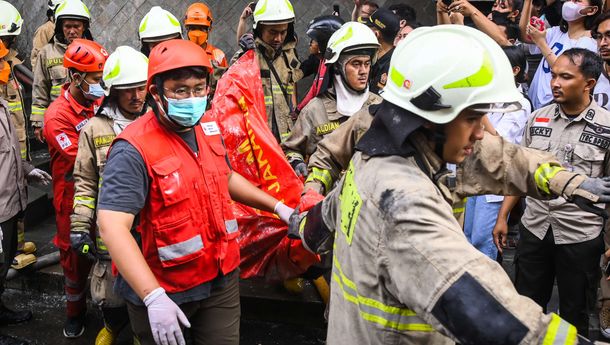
(256, 150)
(326, 128)
(104, 140)
(54, 62)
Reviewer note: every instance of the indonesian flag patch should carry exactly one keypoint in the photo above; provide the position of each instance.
(542, 121)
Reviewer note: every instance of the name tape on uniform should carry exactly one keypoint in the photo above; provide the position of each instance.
(210, 128)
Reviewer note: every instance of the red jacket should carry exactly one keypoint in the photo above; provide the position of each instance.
(188, 229)
(63, 121)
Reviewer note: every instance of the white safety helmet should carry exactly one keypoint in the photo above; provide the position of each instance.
(158, 25)
(54, 3)
(437, 83)
(10, 20)
(72, 9)
(351, 36)
(125, 68)
(273, 12)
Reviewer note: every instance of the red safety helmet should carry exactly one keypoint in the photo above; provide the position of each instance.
(174, 54)
(198, 14)
(85, 56)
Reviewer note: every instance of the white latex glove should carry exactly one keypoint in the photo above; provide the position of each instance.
(165, 318)
(39, 176)
(283, 211)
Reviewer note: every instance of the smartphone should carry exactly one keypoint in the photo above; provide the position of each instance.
(252, 6)
(447, 2)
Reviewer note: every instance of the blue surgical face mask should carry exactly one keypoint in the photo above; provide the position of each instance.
(188, 111)
(96, 91)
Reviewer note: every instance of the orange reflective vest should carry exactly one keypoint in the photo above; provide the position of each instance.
(188, 229)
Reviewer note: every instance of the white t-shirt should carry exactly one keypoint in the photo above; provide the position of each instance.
(540, 90)
(601, 93)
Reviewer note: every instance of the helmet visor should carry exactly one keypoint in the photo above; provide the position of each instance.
(496, 107)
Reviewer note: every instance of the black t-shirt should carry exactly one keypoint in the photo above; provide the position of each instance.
(379, 72)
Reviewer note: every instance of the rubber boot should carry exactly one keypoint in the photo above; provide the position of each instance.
(105, 337)
(24, 255)
(294, 285)
(323, 288)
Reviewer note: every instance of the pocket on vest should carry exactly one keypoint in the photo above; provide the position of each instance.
(171, 182)
(178, 242)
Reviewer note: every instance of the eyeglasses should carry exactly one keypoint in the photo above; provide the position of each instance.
(184, 92)
(601, 35)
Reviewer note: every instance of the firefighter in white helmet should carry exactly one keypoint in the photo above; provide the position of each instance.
(44, 33)
(351, 51)
(403, 272)
(72, 20)
(158, 25)
(12, 91)
(274, 42)
(124, 79)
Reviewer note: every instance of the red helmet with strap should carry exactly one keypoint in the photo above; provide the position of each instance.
(85, 56)
(174, 54)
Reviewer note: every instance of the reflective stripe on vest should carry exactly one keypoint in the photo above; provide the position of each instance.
(544, 174)
(15, 106)
(321, 175)
(559, 332)
(86, 201)
(56, 90)
(38, 110)
(181, 249)
(401, 319)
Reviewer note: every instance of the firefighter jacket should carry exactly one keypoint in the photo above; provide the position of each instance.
(318, 119)
(42, 36)
(63, 122)
(12, 92)
(287, 66)
(189, 232)
(49, 77)
(403, 272)
(334, 152)
(93, 144)
(13, 169)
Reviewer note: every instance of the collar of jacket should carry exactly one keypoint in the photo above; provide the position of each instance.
(269, 51)
(389, 130)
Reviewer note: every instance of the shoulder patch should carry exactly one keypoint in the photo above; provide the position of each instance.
(590, 114)
(63, 140)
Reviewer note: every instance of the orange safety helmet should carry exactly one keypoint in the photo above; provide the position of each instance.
(3, 50)
(174, 54)
(85, 56)
(198, 14)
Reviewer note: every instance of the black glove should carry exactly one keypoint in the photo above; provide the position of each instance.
(294, 224)
(81, 242)
(246, 42)
(300, 168)
(589, 206)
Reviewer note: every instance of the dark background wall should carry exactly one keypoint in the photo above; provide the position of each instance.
(116, 22)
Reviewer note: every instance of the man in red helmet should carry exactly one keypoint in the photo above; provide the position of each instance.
(64, 119)
(170, 169)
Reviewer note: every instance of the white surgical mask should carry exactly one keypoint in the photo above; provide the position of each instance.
(570, 11)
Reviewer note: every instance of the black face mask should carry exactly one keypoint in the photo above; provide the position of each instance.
(500, 18)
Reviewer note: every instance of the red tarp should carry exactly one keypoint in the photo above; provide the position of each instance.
(239, 109)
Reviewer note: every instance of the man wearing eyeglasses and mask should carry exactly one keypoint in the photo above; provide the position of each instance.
(170, 169)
